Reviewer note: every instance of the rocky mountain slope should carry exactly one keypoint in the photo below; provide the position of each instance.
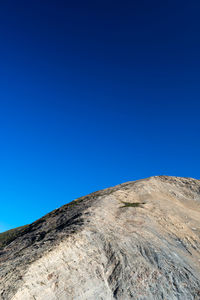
(138, 240)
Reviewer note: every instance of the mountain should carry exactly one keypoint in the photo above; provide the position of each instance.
(138, 240)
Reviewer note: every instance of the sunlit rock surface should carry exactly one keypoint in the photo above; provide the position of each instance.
(138, 240)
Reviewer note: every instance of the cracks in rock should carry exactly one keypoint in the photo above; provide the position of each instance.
(114, 269)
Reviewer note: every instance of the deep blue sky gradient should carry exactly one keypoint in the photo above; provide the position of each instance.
(93, 94)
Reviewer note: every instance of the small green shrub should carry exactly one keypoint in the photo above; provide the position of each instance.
(130, 204)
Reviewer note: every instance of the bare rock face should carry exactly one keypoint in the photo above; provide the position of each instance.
(138, 240)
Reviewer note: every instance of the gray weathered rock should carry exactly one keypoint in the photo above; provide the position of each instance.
(103, 246)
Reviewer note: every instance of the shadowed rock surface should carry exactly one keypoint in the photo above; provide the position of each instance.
(138, 240)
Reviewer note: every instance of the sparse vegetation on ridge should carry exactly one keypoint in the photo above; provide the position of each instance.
(8, 236)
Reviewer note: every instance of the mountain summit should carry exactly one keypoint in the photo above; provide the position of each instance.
(138, 240)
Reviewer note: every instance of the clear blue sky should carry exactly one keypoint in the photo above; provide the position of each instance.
(93, 94)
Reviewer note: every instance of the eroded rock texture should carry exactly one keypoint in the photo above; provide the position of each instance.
(138, 240)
